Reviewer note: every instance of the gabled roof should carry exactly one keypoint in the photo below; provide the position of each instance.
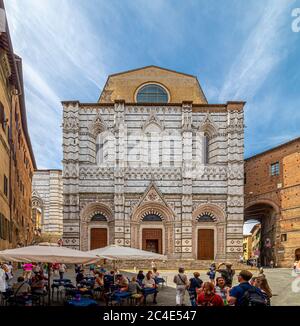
(150, 66)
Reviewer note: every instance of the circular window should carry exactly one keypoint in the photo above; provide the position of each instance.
(152, 93)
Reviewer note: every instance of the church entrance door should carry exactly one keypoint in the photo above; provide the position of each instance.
(152, 240)
(98, 238)
(205, 244)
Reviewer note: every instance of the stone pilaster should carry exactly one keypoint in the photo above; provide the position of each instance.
(71, 210)
(120, 163)
(187, 189)
(235, 202)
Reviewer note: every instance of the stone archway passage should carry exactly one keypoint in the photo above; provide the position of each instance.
(205, 244)
(98, 238)
(152, 240)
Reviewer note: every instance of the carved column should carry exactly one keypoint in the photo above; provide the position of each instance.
(235, 202)
(187, 189)
(71, 210)
(119, 199)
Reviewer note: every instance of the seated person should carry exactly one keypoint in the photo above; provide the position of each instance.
(134, 288)
(99, 281)
(155, 272)
(21, 288)
(158, 279)
(149, 283)
(38, 284)
(79, 277)
(140, 276)
(122, 282)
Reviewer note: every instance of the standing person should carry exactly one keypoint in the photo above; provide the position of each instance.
(194, 285)
(9, 272)
(3, 284)
(27, 268)
(221, 289)
(181, 282)
(245, 294)
(208, 297)
(262, 283)
(62, 269)
(212, 273)
(227, 273)
(153, 264)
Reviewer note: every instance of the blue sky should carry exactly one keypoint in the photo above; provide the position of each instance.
(240, 50)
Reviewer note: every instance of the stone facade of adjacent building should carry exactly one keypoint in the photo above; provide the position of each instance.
(186, 201)
(16, 156)
(47, 201)
(272, 193)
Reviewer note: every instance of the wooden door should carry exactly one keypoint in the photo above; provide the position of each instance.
(152, 240)
(152, 245)
(98, 238)
(205, 244)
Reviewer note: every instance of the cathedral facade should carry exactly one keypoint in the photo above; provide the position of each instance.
(152, 165)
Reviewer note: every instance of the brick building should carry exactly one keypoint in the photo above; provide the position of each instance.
(272, 196)
(16, 156)
(152, 165)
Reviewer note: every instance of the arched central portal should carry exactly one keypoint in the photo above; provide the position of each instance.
(152, 228)
(262, 218)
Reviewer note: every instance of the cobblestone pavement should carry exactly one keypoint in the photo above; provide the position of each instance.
(285, 286)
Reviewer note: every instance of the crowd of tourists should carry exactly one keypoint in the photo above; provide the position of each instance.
(219, 290)
(112, 285)
(222, 289)
(31, 284)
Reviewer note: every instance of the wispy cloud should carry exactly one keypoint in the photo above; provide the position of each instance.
(260, 53)
(61, 55)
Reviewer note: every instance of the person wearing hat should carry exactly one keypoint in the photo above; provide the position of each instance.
(227, 273)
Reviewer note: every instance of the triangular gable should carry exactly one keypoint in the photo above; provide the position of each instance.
(152, 119)
(152, 194)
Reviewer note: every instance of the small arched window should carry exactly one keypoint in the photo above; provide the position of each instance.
(152, 93)
(99, 218)
(206, 148)
(151, 218)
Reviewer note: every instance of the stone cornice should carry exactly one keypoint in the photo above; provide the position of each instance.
(229, 106)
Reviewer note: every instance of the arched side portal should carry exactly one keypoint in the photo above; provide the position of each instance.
(208, 232)
(264, 246)
(96, 221)
(152, 227)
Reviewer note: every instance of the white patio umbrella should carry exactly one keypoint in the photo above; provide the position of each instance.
(115, 252)
(48, 253)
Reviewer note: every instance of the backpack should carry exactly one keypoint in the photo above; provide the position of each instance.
(253, 297)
